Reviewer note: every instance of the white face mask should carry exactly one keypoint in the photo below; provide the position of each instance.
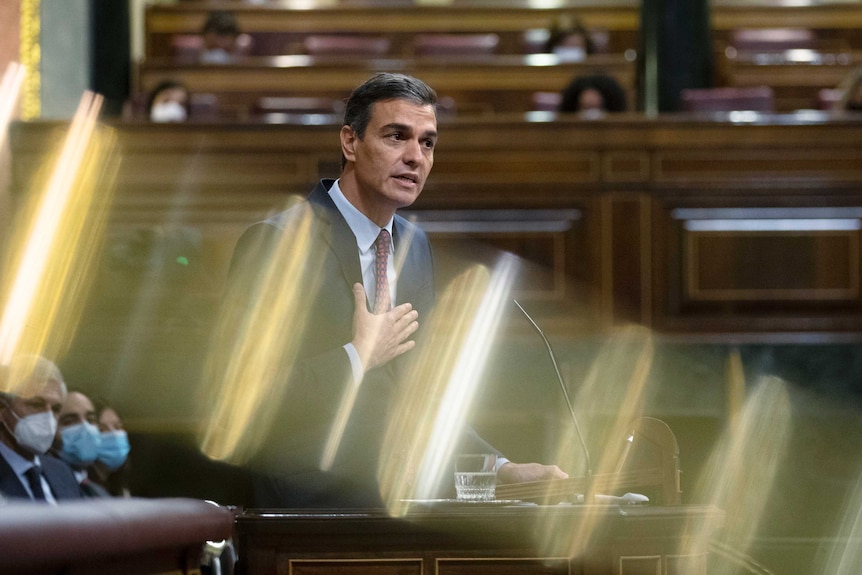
(570, 53)
(35, 433)
(216, 56)
(168, 112)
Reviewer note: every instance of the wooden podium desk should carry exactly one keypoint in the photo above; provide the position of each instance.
(462, 540)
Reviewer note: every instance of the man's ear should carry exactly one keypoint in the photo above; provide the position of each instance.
(348, 143)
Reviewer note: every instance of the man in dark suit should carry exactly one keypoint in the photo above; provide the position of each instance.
(33, 393)
(367, 278)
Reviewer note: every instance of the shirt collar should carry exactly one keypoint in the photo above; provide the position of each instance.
(365, 230)
(18, 464)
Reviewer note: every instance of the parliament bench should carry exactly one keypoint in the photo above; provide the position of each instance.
(795, 76)
(279, 29)
(478, 85)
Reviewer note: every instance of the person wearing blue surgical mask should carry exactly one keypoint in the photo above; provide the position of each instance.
(79, 440)
(32, 393)
(111, 468)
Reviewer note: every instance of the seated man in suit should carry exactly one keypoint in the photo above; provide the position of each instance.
(32, 394)
(78, 440)
(362, 312)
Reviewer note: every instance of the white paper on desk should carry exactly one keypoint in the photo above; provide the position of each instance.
(627, 499)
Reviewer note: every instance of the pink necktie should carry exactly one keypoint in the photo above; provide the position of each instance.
(382, 302)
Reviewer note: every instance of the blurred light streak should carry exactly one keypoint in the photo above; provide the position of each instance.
(57, 232)
(153, 281)
(31, 57)
(742, 470)
(10, 91)
(735, 375)
(348, 400)
(257, 346)
(607, 404)
(441, 384)
(845, 556)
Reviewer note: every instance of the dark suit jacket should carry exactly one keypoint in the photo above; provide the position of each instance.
(57, 472)
(322, 369)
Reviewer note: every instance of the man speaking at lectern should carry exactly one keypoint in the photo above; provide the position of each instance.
(363, 310)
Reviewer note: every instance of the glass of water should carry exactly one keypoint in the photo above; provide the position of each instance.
(476, 477)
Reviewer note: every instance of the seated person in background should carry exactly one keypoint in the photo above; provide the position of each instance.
(78, 440)
(220, 34)
(593, 94)
(851, 86)
(569, 40)
(168, 102)
(111, 468)
(31, 395)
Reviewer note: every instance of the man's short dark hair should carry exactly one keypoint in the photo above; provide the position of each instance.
(380, 87)
(221, 22)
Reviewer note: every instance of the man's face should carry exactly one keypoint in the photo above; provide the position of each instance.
(48, 397)
(76, 409)
(395, 156)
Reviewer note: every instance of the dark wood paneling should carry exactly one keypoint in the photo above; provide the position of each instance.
(597, 210)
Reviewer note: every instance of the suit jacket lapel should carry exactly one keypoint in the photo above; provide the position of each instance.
(408, 286)
(337, 234)
(10, 485)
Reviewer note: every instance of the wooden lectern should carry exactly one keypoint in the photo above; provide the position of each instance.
(525, 539)
(508, 536)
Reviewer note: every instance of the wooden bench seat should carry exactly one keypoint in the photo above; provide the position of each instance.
(478, 85)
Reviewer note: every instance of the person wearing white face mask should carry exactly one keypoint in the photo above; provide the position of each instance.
(78, 440)
(32, 394)
(168, 102)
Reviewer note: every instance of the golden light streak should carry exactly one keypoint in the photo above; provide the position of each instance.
(735, 385)
(57, 233)
(339, 424)
(845, 557)
(153, 280)
(351, 391)
(742, 470)
(607, 403)
(465, 378)
(31, 58)
(10, 89)
(436, 397)
(261, 342)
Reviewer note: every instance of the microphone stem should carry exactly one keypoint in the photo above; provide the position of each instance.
(588, 476)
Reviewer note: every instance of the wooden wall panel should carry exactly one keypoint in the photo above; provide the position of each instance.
(603, 215)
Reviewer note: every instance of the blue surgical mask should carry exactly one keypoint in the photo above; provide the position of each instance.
(81, 443)
(114, 449)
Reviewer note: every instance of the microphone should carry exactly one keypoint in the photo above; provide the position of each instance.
(588, 478)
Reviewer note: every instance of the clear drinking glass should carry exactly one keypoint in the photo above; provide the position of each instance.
(476, 477)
